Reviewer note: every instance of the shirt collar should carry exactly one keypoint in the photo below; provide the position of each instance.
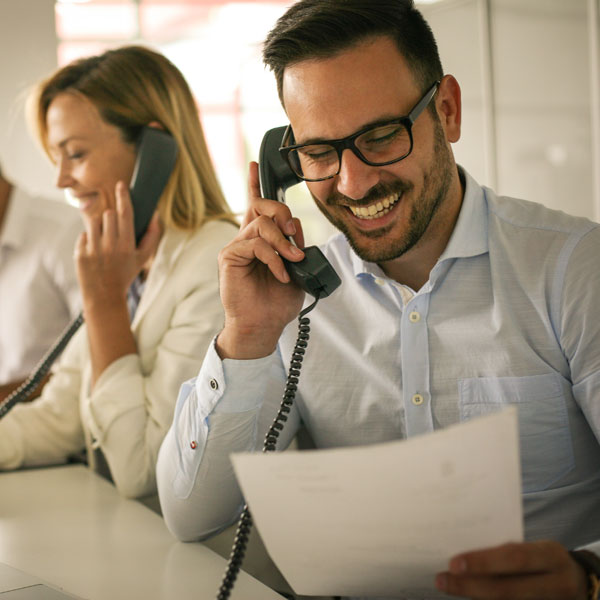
(470, 235)
(362, 267)
(469, 238)
(15, 220)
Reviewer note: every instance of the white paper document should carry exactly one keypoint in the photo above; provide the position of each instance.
(382, 520)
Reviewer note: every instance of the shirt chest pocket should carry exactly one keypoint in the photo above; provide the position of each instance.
(544, 434)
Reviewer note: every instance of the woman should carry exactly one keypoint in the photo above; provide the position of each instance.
(114, 389)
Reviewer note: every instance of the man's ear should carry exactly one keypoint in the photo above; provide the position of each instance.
(448, 106)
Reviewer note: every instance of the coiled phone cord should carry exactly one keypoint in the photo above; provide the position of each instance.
(30, 384)
(245, 521)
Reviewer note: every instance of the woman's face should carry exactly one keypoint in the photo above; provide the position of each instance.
(90, 154)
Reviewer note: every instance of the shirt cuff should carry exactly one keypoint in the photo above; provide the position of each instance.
(228, 387)
(234, 386)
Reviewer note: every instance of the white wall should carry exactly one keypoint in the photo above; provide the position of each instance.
(28, 53)
(541, 64)
(456, 26)
(526, 78)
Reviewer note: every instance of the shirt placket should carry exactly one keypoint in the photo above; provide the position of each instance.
(415, 366)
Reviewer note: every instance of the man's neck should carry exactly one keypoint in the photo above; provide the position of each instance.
(413, 267)
(5, 190)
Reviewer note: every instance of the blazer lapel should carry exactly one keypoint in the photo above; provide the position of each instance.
(169, 249)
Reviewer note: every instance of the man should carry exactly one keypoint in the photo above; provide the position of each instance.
(453, 302)
(40, 295)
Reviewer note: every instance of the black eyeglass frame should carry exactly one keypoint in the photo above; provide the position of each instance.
(349, 142)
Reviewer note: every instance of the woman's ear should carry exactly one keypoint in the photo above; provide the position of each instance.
(448, 105)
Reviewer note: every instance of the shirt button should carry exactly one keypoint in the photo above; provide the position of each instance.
(414, 316)
(214, 384)
(380, 281)
(417, 399)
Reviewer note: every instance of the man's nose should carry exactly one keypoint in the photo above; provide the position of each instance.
(355, 178)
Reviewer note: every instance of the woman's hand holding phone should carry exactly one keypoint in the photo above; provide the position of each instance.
(258, 298)
(106, 255)
(107, 263)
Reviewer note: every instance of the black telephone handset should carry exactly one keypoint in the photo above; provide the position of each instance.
(314, 274)
(156, 156)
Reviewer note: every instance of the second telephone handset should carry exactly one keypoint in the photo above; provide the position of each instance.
(314, 274)
(156, 156)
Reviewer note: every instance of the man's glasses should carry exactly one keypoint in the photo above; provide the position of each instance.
(377, 145)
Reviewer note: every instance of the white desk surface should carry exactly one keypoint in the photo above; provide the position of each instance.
(70, 527)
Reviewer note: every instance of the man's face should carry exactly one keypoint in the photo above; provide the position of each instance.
(383, 211)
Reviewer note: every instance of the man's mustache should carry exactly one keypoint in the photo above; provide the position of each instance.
(377, 192)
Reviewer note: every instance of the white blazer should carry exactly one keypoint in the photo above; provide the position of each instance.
(131, 406)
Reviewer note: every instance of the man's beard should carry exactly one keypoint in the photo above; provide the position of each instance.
(435, 187)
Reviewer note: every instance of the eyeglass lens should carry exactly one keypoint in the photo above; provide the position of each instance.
(378, 145)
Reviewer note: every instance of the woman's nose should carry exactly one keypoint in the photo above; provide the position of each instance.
(63, 175)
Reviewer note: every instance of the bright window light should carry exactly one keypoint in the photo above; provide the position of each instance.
(217, 46)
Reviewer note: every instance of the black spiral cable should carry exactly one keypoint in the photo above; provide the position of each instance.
(242, 534)
(31, 383)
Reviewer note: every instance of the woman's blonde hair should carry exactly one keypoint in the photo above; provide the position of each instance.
(131, 87)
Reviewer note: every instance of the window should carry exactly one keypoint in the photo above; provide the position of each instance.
(217, 46)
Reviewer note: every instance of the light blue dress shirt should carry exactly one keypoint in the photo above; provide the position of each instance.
(509, 315)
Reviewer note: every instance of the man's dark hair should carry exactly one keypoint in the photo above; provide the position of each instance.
(323, 28)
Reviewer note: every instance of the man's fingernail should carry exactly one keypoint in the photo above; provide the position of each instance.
(290, 228)
(296, 251)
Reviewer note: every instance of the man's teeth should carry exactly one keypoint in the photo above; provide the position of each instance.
(374, 211)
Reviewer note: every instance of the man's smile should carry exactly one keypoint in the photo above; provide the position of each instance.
(377, 209)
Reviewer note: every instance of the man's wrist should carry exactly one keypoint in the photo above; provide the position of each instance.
(591, 565)
(240, 345)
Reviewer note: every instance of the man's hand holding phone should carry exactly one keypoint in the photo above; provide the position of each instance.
(258, 298)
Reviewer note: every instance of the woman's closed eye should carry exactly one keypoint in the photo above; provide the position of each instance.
(76, 155)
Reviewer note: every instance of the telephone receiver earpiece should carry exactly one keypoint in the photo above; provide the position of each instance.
(274, 173)
(156, 157)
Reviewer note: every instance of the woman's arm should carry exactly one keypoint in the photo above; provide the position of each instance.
(131, 405)
(47, 430)
(107, 263)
